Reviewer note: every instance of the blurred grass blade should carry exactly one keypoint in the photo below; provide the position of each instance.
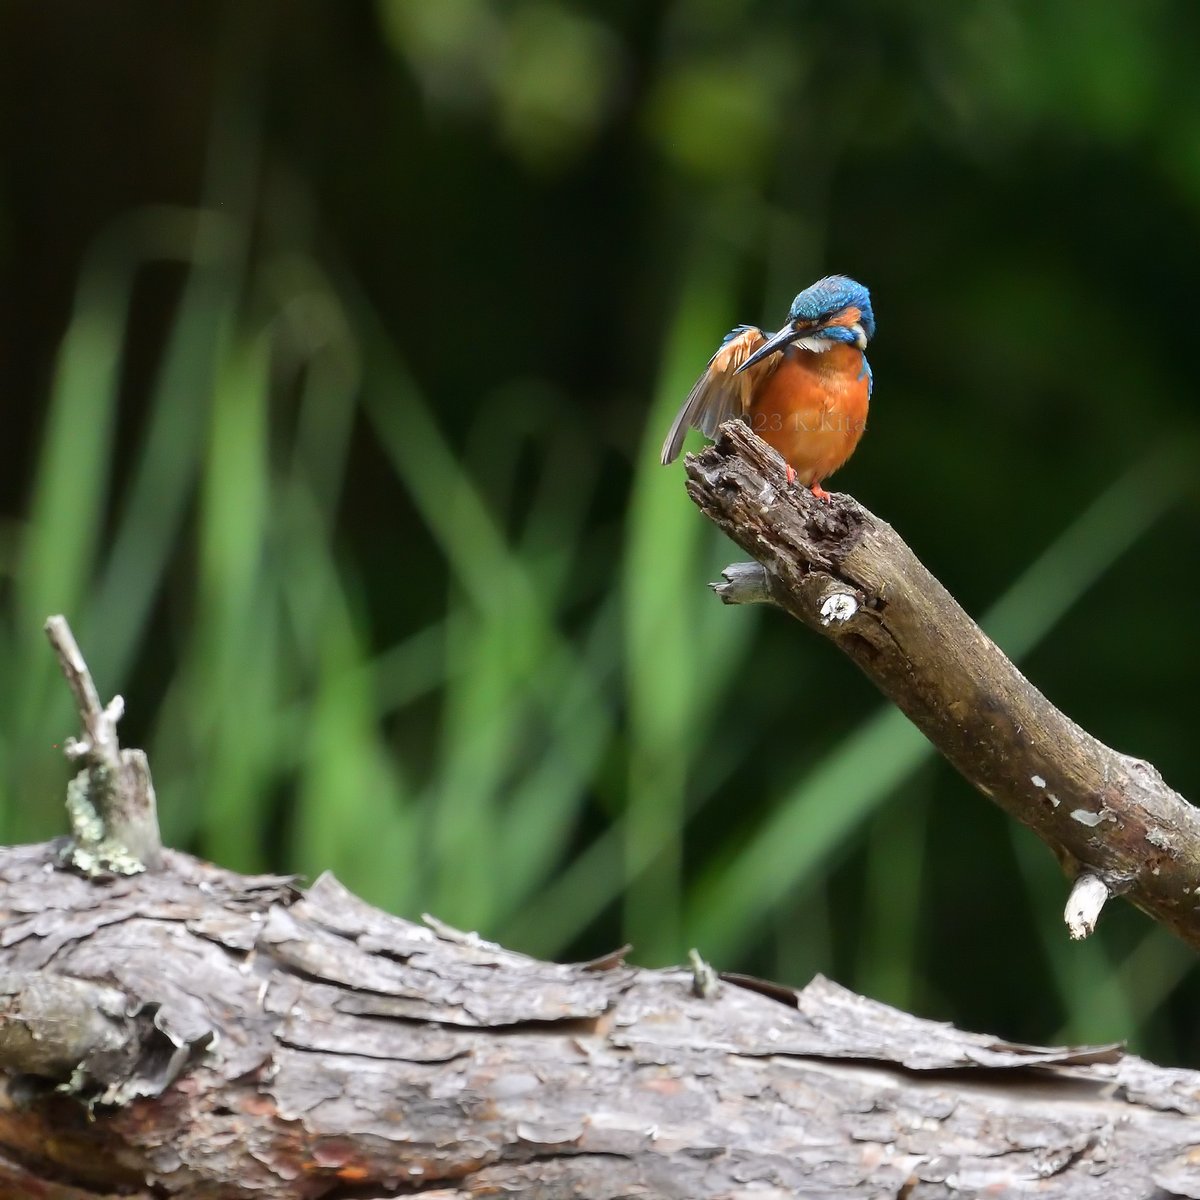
(354, 813)
(508, 664)
(58, 544)
(889, 941)
(234, 651)
(70, 491)
(669, 684)
(166, 464)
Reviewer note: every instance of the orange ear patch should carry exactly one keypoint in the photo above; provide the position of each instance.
(847, 317)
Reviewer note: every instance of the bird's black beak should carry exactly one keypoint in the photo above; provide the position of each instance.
(777, 341)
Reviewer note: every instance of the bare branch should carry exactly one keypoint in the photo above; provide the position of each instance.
(744, 583)
(850, 577)
(111, 804)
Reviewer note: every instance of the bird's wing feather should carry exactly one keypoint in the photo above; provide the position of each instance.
(718, 394)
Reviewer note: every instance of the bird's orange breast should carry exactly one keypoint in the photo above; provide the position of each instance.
(812, 408)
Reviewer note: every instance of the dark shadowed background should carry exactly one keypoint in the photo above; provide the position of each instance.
(337, 341)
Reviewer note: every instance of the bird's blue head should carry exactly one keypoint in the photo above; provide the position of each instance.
(834, 309)
(828, 298)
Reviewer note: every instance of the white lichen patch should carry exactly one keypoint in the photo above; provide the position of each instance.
(1086, 817)
(106, 857)
(81, 812)
(840, 606)
(91, 851)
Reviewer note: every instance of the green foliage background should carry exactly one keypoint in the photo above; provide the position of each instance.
(336, 345)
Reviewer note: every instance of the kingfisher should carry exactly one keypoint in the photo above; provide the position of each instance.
(804, 390)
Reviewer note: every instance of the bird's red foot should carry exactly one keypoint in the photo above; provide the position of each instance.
(820, 492)
(791, 474)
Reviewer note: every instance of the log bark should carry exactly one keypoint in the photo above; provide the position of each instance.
(170, 1029)
(213, 1036)
(1115, 825)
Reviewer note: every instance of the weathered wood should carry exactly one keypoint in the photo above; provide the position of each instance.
(111, 804)
(330, 1050)
(851, 578)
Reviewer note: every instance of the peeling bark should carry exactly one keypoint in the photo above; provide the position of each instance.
(330, 1050)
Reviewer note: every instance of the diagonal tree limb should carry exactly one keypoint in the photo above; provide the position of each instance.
(1116, 827)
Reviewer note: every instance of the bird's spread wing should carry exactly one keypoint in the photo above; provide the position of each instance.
(718, 394)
